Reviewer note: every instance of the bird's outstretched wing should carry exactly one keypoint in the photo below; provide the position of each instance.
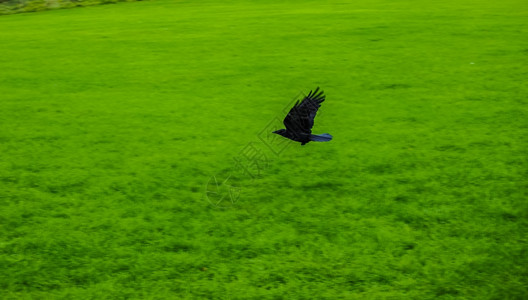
(300, 119)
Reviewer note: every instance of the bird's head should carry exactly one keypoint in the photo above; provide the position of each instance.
(280, 132)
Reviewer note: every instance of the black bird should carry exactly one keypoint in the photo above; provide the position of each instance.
(300, 120)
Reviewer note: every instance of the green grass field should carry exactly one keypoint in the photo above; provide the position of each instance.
(114, 119)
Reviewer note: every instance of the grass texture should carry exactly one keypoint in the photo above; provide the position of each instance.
(21, 6)
(115, 121)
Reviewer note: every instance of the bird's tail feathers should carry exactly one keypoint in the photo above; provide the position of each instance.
(325, 137)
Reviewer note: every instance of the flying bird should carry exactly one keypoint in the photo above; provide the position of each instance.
(300, 120)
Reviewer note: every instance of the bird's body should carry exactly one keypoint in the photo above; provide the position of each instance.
(300, 120)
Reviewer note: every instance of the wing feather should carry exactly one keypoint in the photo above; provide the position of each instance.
(300, 119)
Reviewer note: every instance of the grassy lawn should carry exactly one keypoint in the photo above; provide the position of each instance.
(115, 120)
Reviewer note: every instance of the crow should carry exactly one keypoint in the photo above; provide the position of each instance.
(300, 120)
